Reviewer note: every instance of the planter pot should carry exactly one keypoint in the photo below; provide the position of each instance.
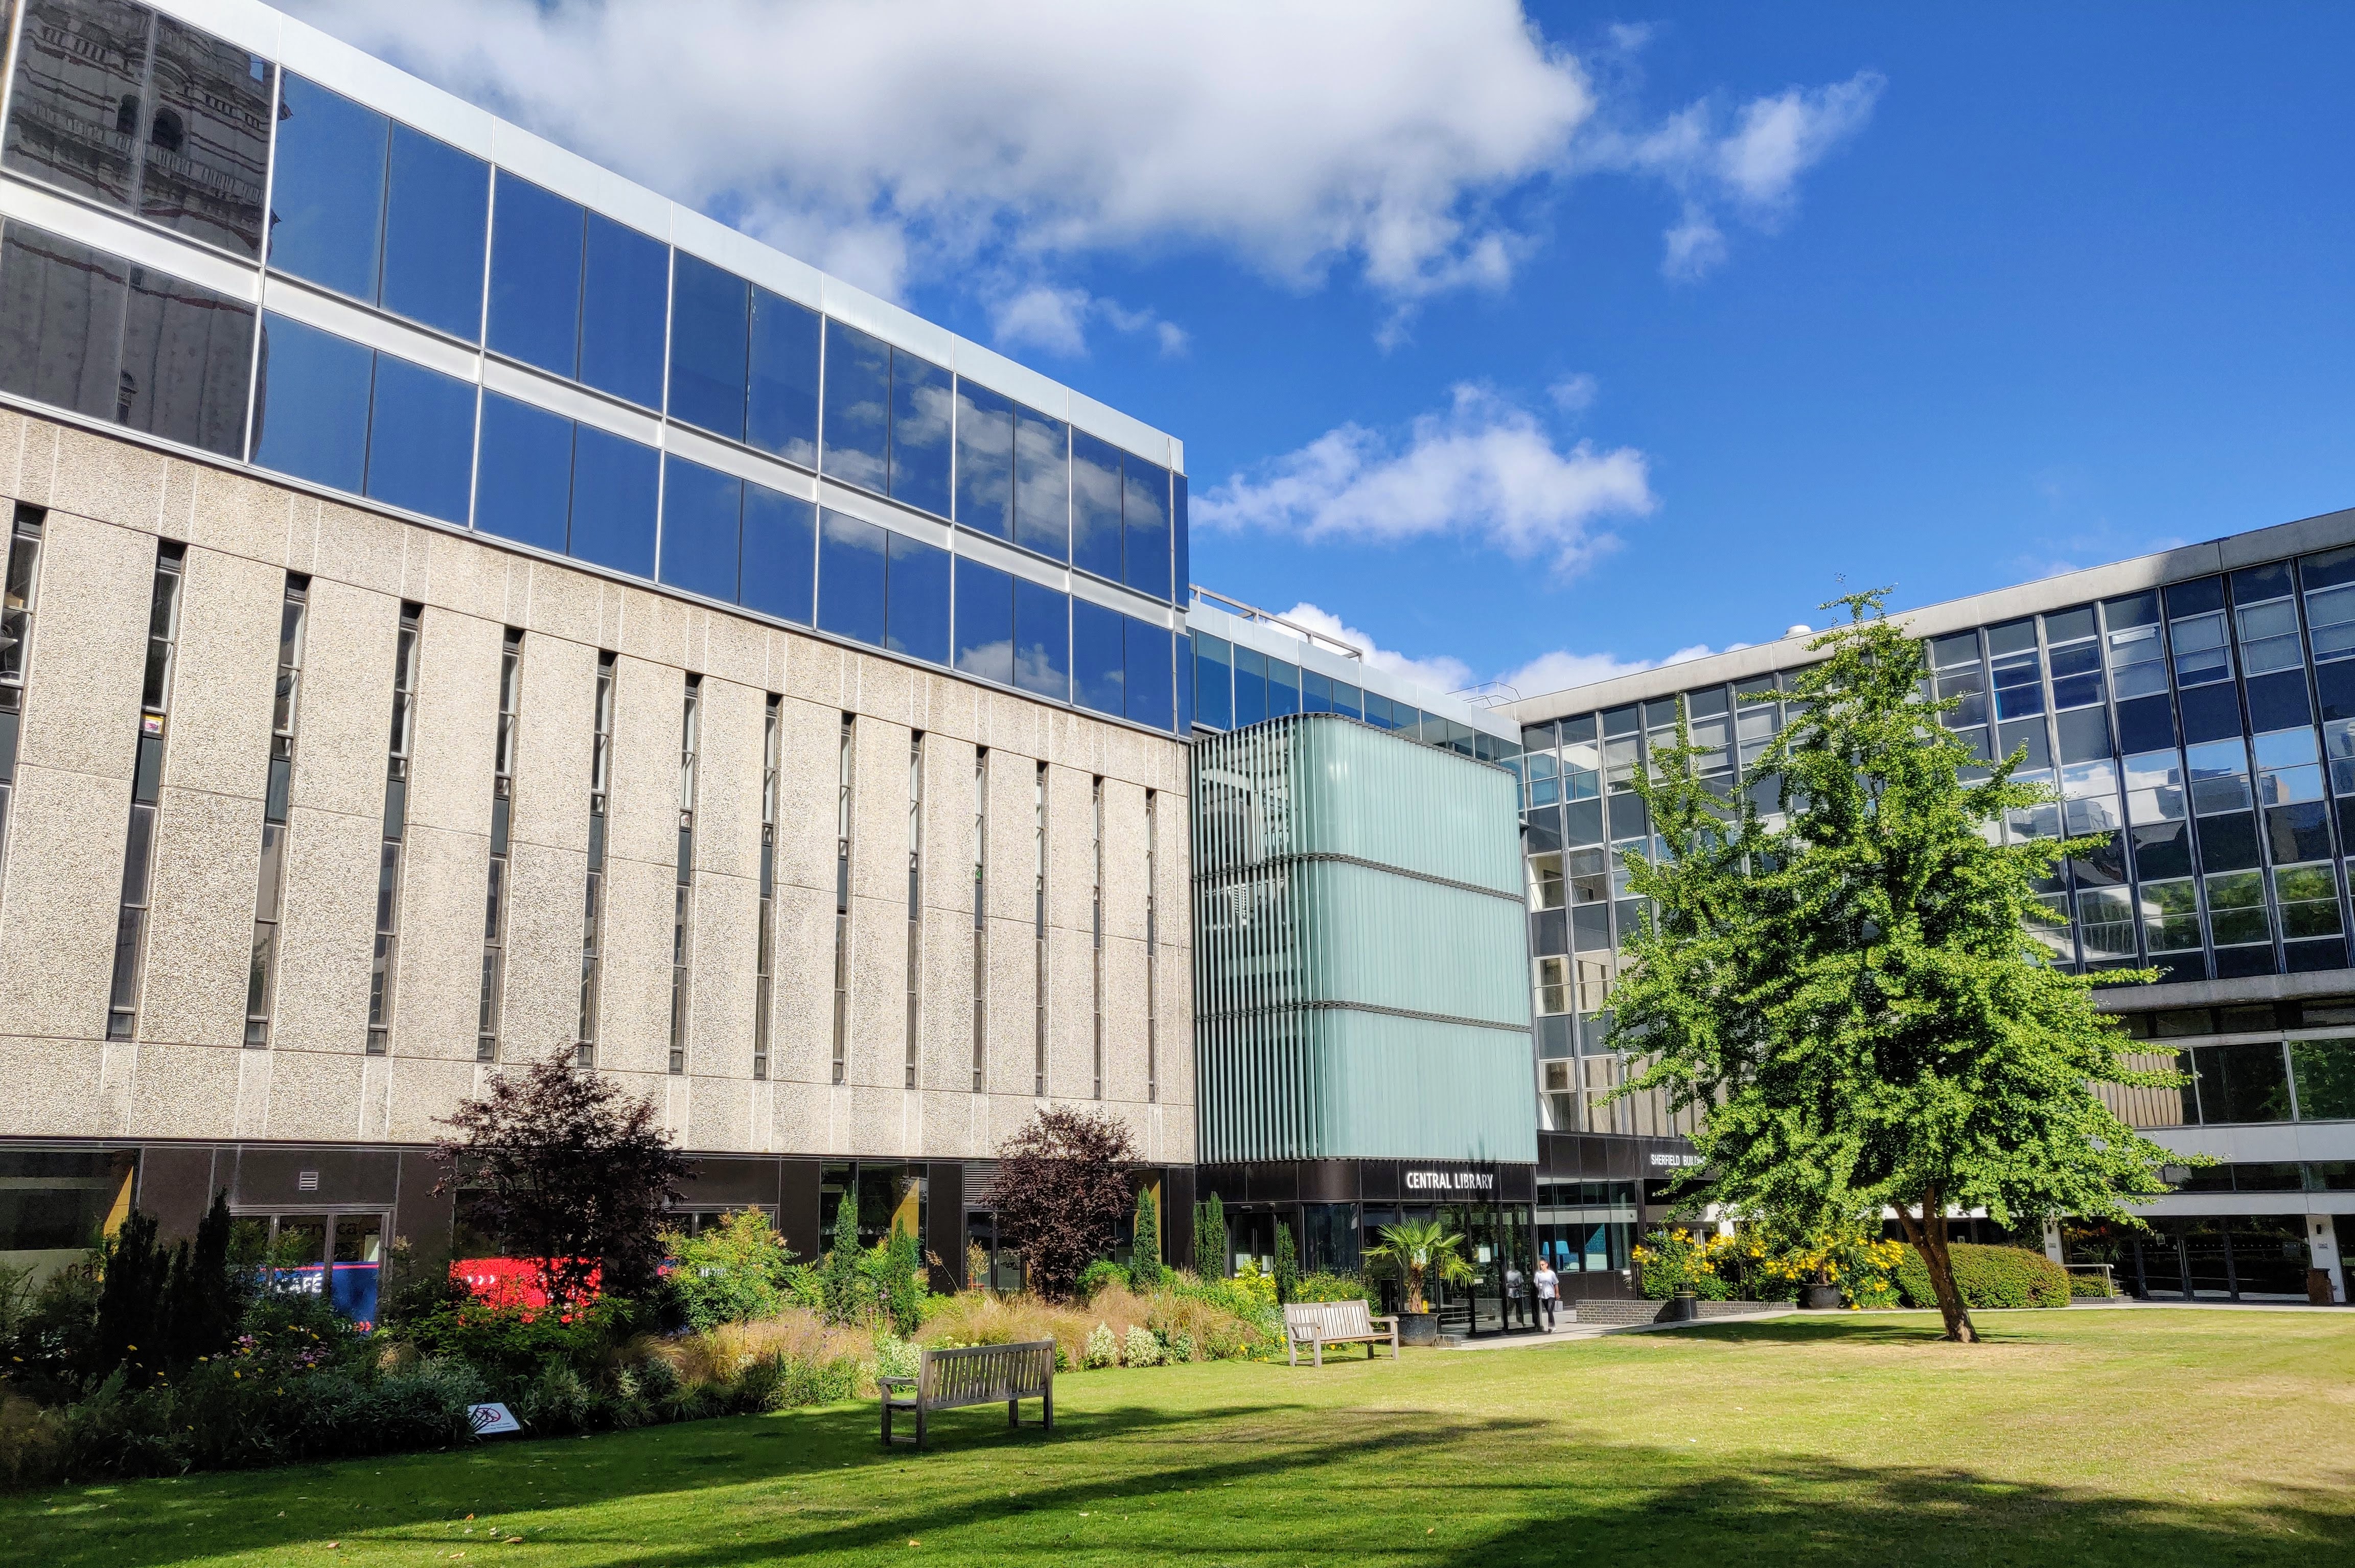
(1418, 1328)
(1820, 1297)
(1681, 1308)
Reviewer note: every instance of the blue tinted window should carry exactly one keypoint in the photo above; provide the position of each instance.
(310, 419)
(1283, 688)
(850, 575)
(1144, 527)
(523, 483)
(624, 291)
(326, 204)
(1183, 580)
(1042, 484)
(536, 277)
(1149, 673)
(614, 485)
(436, 225)
(780, 570)
(1346, 700)
(984, 622)
(1184, 657)
(1250, 686)
(708, 314)
(783, 415)
(918, 621)
(1316, 692)
(1095, 506)
(1377, 710)
(984, 465)
(858, 407)
(1042, 641)
(1214, 682)
(702, 513)
(921, 399)
(422, 440)
(1098, 658)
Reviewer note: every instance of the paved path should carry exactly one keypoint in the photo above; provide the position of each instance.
(1597, 1330)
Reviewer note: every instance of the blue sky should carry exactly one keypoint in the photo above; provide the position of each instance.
(1542, 344)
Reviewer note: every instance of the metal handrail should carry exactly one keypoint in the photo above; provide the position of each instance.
(1253, 612)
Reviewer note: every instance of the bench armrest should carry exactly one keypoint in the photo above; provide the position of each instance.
(895, 1383)
(1383, 1319)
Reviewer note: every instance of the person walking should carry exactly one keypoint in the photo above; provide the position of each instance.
(1549, 1286)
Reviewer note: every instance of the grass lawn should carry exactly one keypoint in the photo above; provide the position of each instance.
(2141, 1438)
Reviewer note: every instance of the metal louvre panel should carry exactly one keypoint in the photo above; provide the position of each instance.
(1361, 986)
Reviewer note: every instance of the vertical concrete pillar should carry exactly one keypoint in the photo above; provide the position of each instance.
(2322, 1246)
(2052, 1242)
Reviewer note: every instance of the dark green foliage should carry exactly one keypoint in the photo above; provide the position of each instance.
(1210, 1239)
(1287, 1263)
(1146, 1254)
(1989, 1276)
(1103, 1272)
(202, 1299)
(511, 1346)
(838, 1281)
(1853, 997)
(132, 1277)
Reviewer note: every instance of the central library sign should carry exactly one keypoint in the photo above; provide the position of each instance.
(1451, 1181)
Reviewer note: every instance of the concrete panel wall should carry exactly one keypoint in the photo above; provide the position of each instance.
(187, 1075)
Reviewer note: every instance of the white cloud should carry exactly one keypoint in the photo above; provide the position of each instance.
(1056, 320)
(888, 141)
(1574, 394)
(1752, 166)
(1485, 468)
(1555, 671)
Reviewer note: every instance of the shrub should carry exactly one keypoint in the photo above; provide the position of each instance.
(1147, 1269)
(1989, 1276)
(729, 1273)
(1672, 1260)
(1287, 1265)
(1140, 1349)
(2088, 1286)
(1322, 1286)
(897, 1358)
(1102, 1350)
(1101, 1273)
(510, 1346)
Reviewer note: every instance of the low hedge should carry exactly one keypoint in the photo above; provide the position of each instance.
(1989, 1277)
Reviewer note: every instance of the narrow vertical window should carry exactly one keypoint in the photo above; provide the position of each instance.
(1095, 922)
(147, 790)
(842, 906)
(764, 961)
(592, 911)
(1152, 953)
(980, 915)
(494, 900)
(915, 889)
(262, 973)
(1038, 912)
(682, 926)
(383, 971)
(15, 645)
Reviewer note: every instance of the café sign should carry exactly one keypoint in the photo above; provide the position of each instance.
(1451, 1181)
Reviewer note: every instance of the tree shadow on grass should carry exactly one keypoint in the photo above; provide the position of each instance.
(1800, 1509)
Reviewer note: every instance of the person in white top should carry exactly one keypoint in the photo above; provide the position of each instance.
(1549, 1285)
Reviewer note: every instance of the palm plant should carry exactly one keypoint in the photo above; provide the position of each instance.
(1422, 1249)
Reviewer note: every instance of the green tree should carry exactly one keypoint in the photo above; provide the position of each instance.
(841, 1283)
(1422, 1251)
(1287, 1262)
(1851, 994)
(1210, 1239)
(1144, 1254)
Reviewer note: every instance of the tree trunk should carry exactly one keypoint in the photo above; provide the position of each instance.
(1929, 1237)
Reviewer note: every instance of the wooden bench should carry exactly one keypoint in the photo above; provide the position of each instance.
(1318, 1324)
(976, 1374)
